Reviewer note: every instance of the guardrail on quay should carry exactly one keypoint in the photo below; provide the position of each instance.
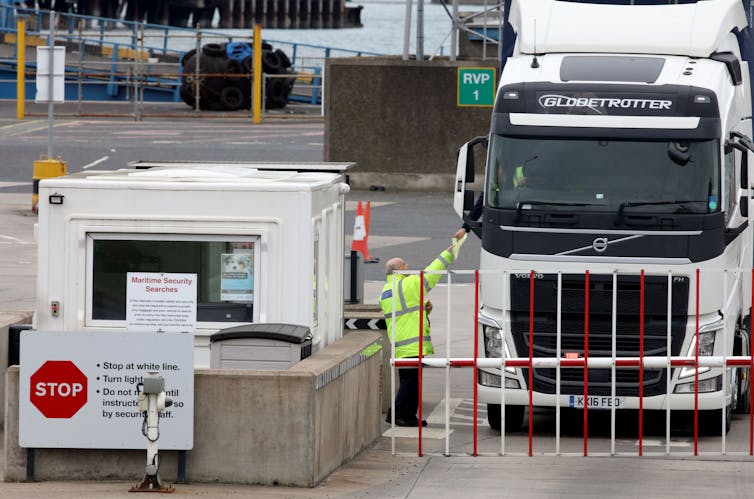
(123, 61)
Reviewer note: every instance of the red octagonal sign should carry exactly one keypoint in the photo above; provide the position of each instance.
(58, 389)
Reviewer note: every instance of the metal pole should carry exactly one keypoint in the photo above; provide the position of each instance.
(133, 69)
(142, 71)
(51, 87)
(20, 67)
(198, 59)
(454, 32)
(407, 30)
(419, 30)
(484, 31)
(30, 465)
(354, 297)
(81, 68)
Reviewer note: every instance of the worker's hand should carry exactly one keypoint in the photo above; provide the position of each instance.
(428, 307)
(460, 233)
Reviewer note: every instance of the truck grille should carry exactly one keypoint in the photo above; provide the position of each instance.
(600, 327)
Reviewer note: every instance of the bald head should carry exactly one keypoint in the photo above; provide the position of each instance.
(394, 264)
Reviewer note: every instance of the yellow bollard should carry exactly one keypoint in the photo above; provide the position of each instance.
(45, 168)
(20, 69)
(257, 98)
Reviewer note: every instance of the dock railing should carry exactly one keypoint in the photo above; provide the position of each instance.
(140, 64)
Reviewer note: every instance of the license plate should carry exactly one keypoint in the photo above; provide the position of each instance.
(596, 402)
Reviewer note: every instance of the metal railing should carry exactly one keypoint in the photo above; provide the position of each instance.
(117, 60)
(613, 362)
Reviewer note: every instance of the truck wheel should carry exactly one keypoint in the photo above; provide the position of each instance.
(514, 417)
(709, 422)
(744, 394)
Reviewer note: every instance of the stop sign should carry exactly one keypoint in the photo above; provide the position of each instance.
(58, 389)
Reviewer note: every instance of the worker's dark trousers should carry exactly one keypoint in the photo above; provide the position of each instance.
(407, 398)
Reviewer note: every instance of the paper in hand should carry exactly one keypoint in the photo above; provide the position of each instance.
(457, 243)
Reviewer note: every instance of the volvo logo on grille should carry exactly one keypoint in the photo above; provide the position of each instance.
(599, 244)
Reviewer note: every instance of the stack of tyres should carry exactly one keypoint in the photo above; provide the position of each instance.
(225, 76)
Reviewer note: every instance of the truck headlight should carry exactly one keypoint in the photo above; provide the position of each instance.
(493, 342)
(706, 346)
(493, 380)
(705, 386)
(494, 345)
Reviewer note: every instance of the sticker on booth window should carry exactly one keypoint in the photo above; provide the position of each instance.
(237, 277)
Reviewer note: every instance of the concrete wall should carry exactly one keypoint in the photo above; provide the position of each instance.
(8, 319)
(290, 427)
(399, 120)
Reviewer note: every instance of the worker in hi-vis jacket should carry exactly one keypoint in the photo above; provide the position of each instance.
(402, 291)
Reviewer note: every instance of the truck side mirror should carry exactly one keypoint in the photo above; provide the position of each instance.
(482, 139)
(463, 200)
(744, 144)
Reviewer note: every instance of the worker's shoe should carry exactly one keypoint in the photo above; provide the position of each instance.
(409, 422)
(404, 422)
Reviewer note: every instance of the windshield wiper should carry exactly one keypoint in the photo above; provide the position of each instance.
(631, 204)
(521, 204)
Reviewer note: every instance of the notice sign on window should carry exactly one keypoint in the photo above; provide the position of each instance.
(158, 301)
(237, 279)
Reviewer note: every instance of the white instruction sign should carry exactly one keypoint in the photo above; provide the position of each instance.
(157, 301)
(79, 389)
(44, 74)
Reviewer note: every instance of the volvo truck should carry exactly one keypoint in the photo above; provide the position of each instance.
(619, 161)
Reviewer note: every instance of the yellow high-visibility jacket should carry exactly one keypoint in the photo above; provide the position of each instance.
(407, 295)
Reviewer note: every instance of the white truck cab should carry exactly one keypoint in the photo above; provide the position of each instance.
(620, 145)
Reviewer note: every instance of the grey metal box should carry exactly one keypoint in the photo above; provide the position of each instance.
(260, 346)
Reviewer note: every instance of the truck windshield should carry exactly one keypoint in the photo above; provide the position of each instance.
(617, 176)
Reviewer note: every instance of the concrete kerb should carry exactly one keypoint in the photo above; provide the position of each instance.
(291, 427)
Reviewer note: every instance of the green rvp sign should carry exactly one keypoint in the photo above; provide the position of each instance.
(476, 87)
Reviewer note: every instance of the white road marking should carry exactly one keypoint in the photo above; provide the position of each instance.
(413, 432)
(167, 142)
(649, 442)
(436, 419)
(14, 125)
(96, 162)
(13, 184)
(438, 413)
(249, 143)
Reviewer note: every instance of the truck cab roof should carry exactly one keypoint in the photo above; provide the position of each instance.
(692, 30)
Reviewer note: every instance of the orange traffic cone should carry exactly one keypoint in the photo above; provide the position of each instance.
(361, 234)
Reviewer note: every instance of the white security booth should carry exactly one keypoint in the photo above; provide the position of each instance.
(194, 247)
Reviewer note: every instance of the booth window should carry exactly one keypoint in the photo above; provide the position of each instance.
(226, 270)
